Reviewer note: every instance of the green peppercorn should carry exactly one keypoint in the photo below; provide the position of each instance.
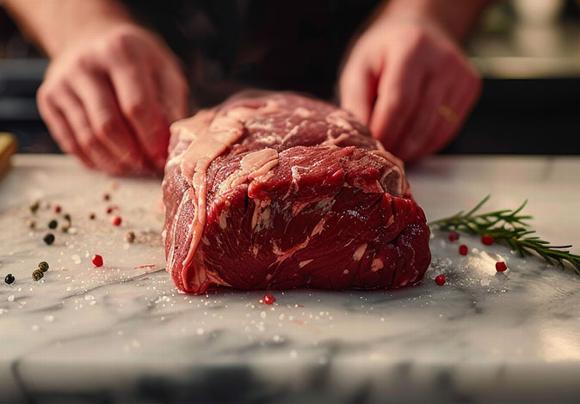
(43, 266)
(53, 224)
(34, 207)
(9, 279)
(49, 238)
(37, 274)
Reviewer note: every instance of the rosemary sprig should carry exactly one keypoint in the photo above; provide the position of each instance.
(510, 227)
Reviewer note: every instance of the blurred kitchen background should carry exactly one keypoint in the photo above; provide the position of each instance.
(528, 52)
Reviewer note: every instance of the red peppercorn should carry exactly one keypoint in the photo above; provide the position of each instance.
(110, 210)
(116, 220)
(500, 266)
(487, 239)
(453, 236)
(97, 260)
(268, 299)
(440, 280)
(57, 209)
(463, 250)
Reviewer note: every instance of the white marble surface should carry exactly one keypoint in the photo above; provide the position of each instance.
(121, 333)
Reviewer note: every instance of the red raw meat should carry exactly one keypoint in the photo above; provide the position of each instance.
(280, 191)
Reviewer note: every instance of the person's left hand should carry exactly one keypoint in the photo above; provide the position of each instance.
(409, 82)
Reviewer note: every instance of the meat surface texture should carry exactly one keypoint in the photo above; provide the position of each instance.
(280, 191)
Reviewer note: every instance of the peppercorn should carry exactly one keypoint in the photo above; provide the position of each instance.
(453, 236)
(106, 197)
(97, 260)
(9, 279)
(53, 224)
(32, 224)
(57, 209)
(34, 207)
(501, 266)
(487, 239)
(116, 220)
(67, 217)
(130, 237)
(92, 216)
(43, 266)
(463, 249)
(49, 238)
(440, 280)
(37, 274)
(110, 210)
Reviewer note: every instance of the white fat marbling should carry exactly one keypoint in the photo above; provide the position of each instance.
(123, 333)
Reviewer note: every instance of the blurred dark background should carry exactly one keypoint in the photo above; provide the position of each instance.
(528, 52)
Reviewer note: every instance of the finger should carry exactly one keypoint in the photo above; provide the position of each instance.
(173, 93)
(135, 90)
(460, 102)
(106, 120)
(358, 90)
(58, 126)
(415, 141)
(91, 146)
(399, 93)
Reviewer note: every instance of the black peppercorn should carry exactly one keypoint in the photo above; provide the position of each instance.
(37, 274)
(9, 279)
(34, 207)
(49, 238)
(130, 237)
(92, 216)
(106, 197)
(43, 266)
(52, 224)
(67, 217)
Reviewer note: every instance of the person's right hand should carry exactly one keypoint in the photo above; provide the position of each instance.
(110, 96)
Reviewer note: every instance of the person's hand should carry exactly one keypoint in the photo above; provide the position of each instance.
(110, 96)
(410, 83)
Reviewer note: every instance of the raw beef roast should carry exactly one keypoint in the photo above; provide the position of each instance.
(278, 191)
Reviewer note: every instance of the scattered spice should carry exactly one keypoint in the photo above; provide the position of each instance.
(97, 260)
(116, 220)
(440, 280)
(453, 236)
(268, 299)
(37, 274)
(53, 224)
(9, 279)
(31, 224)
(34, 207)
(92, 216)
(106, 197)
(130, 237)
(487, 239)
(111, 209)
(49, 238)
(57, 209)
(463, 250)
(67, 217)
(500, 266)
(65, 227)
(43, 266)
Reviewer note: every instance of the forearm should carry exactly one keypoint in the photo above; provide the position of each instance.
(54, 24)
(456, 17)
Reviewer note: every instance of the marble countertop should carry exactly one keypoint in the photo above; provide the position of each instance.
(122, 333)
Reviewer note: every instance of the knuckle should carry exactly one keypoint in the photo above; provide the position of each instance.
(106, 127)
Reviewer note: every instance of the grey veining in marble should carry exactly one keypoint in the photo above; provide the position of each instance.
(122, 333)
